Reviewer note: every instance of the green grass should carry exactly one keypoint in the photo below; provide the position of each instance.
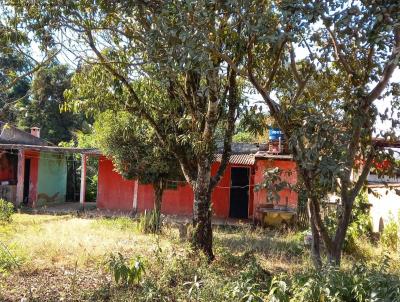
(57, 255)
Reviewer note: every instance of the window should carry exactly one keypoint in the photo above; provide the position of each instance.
(172, 185)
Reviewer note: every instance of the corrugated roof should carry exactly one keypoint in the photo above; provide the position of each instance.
(264, 154)
(238, 159)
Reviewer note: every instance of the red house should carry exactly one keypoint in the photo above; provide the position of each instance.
(234, 196)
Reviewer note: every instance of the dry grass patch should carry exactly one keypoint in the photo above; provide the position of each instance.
(62, 258)
(54, 241)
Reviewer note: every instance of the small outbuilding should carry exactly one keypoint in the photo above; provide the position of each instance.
(32, 171)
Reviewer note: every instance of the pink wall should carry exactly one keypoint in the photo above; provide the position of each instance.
(8, 166)
(113, 191)
(116, 193)
(34, 175)
(260, 197)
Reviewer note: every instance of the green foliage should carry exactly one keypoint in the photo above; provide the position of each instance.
(360, 284)
(390, 235)
(244, 137)
(360, 224)
(44, 108)
(133, 147)
(150, 222)
(14, 63)
(273, 182)
(251, 285)
(125, 272)
(6, 211)
(8, 261)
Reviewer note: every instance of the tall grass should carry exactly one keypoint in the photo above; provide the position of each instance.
(249, 264)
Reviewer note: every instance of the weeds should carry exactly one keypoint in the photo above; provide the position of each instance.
(6, 211)
(8, 261)
(250, 265)
(126, 272)
(150, 222)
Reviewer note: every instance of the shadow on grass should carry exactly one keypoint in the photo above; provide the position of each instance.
(262, 241)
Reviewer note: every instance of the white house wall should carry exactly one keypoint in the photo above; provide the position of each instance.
(386, 205)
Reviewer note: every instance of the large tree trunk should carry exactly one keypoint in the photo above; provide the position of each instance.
(202, 237)
(158, 193)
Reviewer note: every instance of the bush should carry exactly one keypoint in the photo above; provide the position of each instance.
(360, 284)
(252, 284)
(390, 237)
(6, 211)
(360, 225)
(125, 272)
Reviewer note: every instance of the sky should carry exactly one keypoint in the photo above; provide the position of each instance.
(255, 98)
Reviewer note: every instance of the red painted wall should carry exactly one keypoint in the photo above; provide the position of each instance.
(175, 202)
(260, 197)
(8, 166)
(116, 193)
(113, 191)
(33, 177)
(180, 201)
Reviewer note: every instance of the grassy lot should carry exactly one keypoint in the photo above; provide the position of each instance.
(57, 258)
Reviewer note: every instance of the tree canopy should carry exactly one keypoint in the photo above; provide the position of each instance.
(189, 56)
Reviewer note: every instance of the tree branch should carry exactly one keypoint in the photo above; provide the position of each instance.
(232, 103)
(272, 105)
(275, 66)
(390, 67)
(28, 73)
(339, 54)
(363, 176)
(136, 108)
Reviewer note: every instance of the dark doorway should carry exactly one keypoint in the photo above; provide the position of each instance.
(239, 193)
(27, 177)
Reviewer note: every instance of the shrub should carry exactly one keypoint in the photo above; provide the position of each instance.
(6, 211)
(362, 283)
(8, 261)
(252, 283)
(150, 222)
(390, 237)
(360, 225)
(125, 272)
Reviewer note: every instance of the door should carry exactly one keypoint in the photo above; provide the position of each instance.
(239, 193)
(27, 177)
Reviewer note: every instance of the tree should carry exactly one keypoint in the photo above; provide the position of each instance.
(12, 64)
(44, 107)
(16, 65)
(163, 42)
(136, 153)
(325, 103)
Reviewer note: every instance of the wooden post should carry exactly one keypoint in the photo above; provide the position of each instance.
(135, 196)
(20, 177)
(83, 181)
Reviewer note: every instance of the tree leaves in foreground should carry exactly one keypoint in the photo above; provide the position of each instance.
(136, 153)
(164, 42)
(327, 102)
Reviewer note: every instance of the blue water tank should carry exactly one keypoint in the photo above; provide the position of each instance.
(275, 134)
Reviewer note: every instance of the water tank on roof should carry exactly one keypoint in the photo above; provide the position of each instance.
(275, 134)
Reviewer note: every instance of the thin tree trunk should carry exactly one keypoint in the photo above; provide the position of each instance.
(315, 244)
(158, 193)
(335, 252)
(202, 237)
